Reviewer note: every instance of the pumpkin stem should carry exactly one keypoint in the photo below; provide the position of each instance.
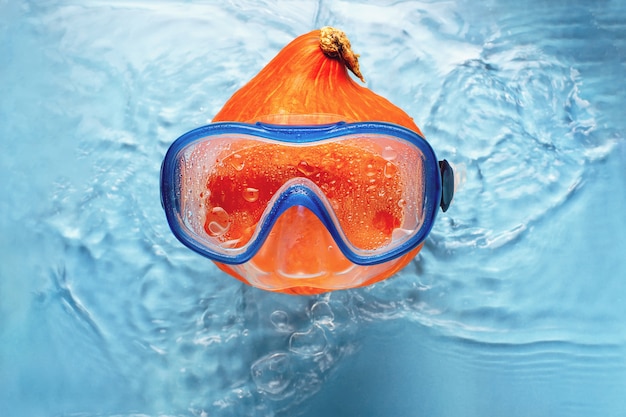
(335, 44)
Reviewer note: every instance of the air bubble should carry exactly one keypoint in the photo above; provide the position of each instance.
(280, 320)
(321, 313)
(310, 343)
(251, 194)
(271, 373)
(402, 203)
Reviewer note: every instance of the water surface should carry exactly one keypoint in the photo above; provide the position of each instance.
(516, 306)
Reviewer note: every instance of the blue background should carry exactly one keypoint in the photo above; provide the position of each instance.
(516, 306)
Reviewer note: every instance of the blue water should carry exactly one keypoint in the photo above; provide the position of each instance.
(516, 306)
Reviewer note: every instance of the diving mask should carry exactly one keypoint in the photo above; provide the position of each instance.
(326, 206)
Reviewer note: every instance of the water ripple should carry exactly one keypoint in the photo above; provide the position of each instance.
(529, 114)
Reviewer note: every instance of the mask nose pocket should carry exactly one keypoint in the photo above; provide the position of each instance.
(299, 246)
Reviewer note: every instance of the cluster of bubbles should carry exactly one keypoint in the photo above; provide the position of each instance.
(294, 344)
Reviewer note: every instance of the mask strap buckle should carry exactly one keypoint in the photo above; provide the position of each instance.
(447, 184)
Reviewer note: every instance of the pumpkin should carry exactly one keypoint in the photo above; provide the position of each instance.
(308, 83)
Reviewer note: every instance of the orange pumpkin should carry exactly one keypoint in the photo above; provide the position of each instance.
(308, 82)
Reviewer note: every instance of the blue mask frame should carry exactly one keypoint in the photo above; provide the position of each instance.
(438, 193)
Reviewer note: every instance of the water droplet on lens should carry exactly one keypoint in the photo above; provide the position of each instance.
(389, 170)
(251, 194)
(307, 169)
(237, 162)
(218, 221)
(216, 229)
(389, 153)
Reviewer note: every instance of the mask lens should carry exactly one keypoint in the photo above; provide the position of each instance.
(372, 184)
